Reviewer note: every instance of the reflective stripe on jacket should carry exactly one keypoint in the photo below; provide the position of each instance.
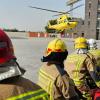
(73, 65)
(51, 81)
(46, 81)
(33, 95)
(19, 88)
(79, 67)
(96, 54)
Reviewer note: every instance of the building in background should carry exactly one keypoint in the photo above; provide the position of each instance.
(92, 19)
(79, 29)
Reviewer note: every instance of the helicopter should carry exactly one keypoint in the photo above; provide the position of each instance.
(62, 23)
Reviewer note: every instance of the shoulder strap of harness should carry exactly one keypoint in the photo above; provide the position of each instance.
(62, 72)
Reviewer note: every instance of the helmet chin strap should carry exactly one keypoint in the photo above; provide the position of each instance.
(9, 71)
(81, 51)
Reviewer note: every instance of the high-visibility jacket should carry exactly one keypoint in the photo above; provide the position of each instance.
(19, 88)
(79, 67)
(96, 54)
(50, 79)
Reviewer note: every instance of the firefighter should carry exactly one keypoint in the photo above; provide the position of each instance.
(92, 46)
(52, 77)
(80, 67)
(12, 85)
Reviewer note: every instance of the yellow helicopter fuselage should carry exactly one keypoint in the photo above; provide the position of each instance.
(63, 26)
(63, 23)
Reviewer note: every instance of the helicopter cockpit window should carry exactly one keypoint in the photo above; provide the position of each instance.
(53, 22)
(69, 18)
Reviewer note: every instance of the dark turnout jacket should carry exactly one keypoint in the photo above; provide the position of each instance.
(16, 87)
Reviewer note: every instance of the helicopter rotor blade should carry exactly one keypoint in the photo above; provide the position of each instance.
(74, 8)
(47, 10)
(70, 10)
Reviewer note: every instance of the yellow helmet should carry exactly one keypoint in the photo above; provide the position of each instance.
(56, 45)
(80, 42)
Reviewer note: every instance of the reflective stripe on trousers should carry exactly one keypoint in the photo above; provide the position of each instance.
(33, 95)
(46, 82)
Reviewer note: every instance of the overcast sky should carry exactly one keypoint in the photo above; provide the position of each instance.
(17, 14)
